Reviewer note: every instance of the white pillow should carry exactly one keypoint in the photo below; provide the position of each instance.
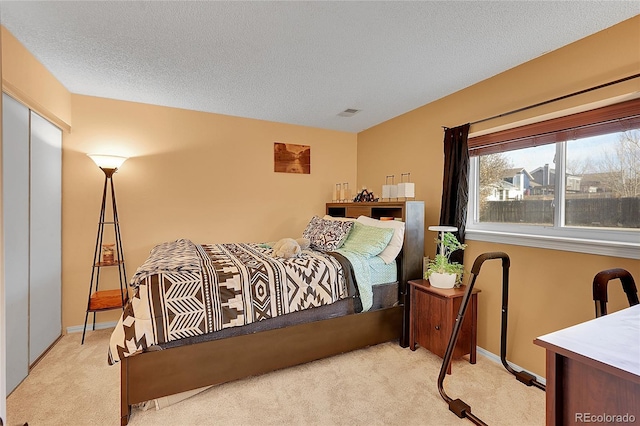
(395, 245)
(344, 219)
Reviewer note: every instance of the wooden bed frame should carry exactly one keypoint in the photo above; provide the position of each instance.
(218, 361)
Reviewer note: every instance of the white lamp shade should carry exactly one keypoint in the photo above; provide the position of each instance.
(389, 191)
(406, 190)
(107, 161)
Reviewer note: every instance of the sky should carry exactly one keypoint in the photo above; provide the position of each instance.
(577, 150)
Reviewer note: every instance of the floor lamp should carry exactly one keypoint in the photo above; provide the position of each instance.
(108, 299)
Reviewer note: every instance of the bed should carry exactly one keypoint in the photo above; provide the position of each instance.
(246, 335)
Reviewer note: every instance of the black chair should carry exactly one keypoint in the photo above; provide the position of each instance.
(600, 282)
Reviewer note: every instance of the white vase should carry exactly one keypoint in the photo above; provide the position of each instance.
(439, 280)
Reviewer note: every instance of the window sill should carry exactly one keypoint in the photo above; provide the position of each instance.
(627, 250)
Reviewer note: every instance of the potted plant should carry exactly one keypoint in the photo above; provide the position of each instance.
(441, 272)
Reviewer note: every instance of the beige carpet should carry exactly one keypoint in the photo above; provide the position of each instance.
(381, 385)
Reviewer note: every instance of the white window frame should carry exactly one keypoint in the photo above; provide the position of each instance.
(599, 241)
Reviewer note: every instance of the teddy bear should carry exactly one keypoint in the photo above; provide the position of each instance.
(288, 247)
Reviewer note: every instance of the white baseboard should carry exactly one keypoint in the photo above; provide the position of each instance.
(496, 358)
(99, 326)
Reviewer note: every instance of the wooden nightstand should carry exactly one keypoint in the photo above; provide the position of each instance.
(433, 314)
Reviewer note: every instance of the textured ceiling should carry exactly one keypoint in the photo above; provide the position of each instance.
(296, 62)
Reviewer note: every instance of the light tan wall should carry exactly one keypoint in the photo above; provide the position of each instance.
(3, 334)
(236, 196)
(194, 175)
(550, 289)
(28, 81)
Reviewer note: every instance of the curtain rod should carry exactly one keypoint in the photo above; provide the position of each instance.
(611, 83)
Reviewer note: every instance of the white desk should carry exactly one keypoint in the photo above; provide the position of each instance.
(593, 369)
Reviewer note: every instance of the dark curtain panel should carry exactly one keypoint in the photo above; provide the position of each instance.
(455, 183)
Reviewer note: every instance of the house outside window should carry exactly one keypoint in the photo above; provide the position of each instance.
(571, 185)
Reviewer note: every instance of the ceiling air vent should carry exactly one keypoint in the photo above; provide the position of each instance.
(349, 112)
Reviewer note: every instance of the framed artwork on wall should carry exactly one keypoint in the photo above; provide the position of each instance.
(291, 158)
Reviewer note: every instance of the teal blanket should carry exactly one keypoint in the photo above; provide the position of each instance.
(362, 273)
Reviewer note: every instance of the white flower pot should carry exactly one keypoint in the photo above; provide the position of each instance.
(439, 280)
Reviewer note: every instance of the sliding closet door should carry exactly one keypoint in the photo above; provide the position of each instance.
(15, 205)
(45, 288)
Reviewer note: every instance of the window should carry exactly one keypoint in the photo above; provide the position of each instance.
(571, 183)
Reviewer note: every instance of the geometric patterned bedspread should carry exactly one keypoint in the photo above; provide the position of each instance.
(186, 289)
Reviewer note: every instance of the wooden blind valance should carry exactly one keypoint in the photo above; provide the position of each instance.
(619, 117)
